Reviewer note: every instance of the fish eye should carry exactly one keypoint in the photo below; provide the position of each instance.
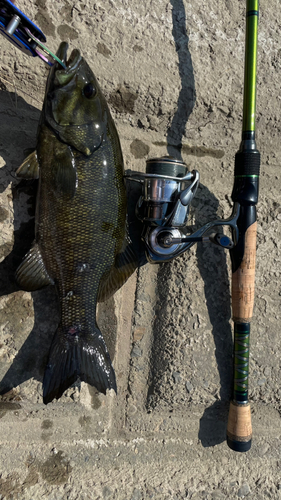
(89, 90)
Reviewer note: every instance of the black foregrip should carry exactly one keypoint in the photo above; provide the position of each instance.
(246, 176)
(247, 163)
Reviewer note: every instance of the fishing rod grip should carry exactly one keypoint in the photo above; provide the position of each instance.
(243, 258)
(239, 428)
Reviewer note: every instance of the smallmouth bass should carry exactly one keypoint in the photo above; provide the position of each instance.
(81, 244)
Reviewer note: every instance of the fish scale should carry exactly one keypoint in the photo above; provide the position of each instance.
(64, 222)
(81, 243)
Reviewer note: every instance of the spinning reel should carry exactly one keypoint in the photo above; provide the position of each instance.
(168, 189)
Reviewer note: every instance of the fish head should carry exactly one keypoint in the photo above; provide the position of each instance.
(74, 105)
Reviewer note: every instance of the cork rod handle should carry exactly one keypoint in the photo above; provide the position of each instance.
(243, 280)
(239, 428)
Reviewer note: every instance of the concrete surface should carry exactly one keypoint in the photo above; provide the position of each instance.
(172, 72)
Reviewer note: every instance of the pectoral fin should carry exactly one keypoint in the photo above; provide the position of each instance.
(125, 264)
(31, 273)
(29, 169)
(65, 175)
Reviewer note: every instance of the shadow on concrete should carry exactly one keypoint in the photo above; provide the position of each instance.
(135, 226)
(211, 261)
(212, 430)
(17, 137)
(212, 265)
(216, 284)
(187, 95)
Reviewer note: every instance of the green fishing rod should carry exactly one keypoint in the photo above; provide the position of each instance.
(243, 255)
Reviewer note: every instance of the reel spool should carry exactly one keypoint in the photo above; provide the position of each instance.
(163, 181)
(165, 196)
(167, 191)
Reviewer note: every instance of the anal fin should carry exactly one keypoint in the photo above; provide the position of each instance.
(31, 273)
(125, 264)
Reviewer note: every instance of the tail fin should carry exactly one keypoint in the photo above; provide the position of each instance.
(75, 353)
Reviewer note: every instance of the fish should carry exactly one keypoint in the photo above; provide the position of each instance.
(81, 237)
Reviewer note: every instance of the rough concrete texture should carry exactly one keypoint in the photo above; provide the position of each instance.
(172, 72)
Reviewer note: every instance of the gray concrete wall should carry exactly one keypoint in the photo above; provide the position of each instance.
(172, 72)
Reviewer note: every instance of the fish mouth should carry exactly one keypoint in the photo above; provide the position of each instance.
(63, 75)
(74, 57)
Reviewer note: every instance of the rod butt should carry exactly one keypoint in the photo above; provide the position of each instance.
(239, 446)
(239, 427)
